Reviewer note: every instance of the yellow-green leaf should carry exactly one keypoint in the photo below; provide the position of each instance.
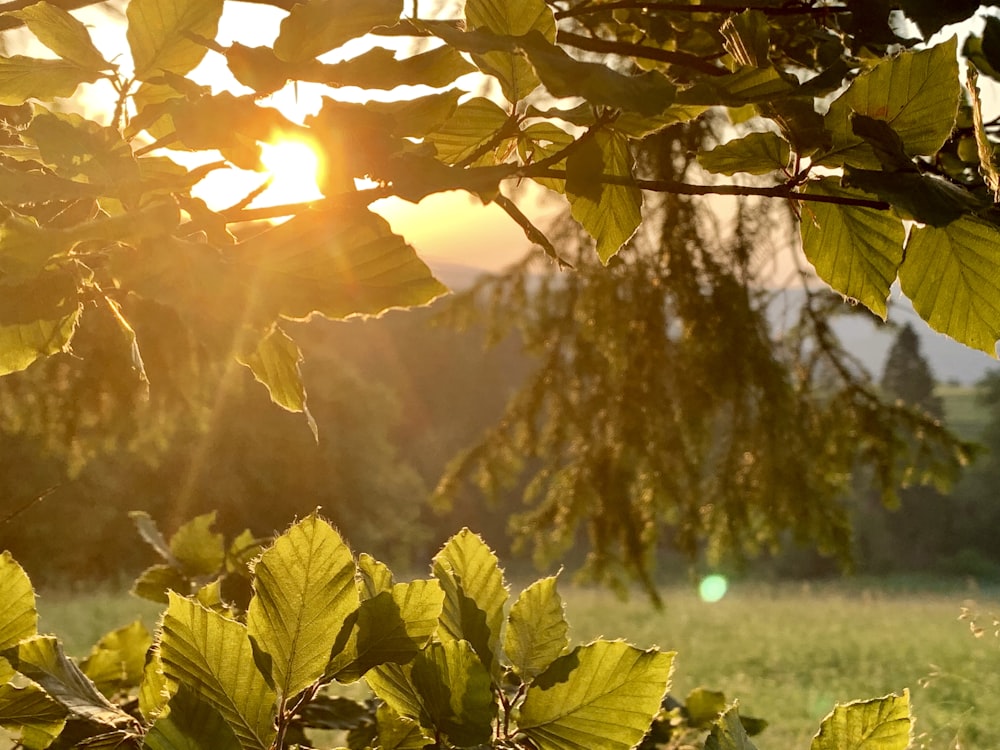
(212, 655)
(23, 78)
(304, 590)
(30, 712)
(117, 661)
(917, 93)
(609, 213)
(38, 317)
(274, 362)
(317, 26)
(378, 68)
(879, 724)
(154, 690)
(160, 34)
(756, 153)
(536, 632)
(855, 250)
(63, 34)
(728, 733)
(455, 692)
(510, 18)
(601, 695)
(191, 724)
(199, 550)
(473, 124)
(18, 616)
(475, 594)
(952, 277)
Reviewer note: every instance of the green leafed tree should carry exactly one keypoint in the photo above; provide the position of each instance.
(631, 115)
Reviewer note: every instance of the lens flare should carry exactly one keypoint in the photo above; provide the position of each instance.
(712, 588)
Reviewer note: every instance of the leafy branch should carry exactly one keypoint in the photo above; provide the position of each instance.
(788, 9)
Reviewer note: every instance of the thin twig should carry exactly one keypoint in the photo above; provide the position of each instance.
(18, 511)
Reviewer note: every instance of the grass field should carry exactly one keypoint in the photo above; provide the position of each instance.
(788, 652)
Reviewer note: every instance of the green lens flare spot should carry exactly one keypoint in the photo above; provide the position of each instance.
(712, 588)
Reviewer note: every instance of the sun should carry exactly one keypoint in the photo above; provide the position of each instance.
(294, 167)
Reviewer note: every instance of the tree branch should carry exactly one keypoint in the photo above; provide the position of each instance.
(791, 9)
(682, 59)
(683, 188)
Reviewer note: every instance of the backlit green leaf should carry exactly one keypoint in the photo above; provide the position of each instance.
(373, 578)
(199, 550)
(756, 153)
(63, 34)
(390, 627)
(191, 724)
(317, 26)
(473, 124)
(156, 580)
(879, 724)
(745, 86)
(212, 655)
(609, 213)
(303, 592)
(917, 93)
(728, 733)
(38, 317)
(601, 695)
(41, 659)
(18, 616)
(379, 69)
(475, 594)
(154, 690)
(455, 691)
(78, 148)
(703, 706)
(648, 94)
(952, 277)
(855, 250)
(274, 362)
(117, 661)
(337, 263)
(18, 187)
(160, 34)
(397, 732)
(393, 684)
(23, 78)
(536, 629)
(32, 714)
(510, 18)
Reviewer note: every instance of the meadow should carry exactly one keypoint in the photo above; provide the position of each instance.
(788, 652)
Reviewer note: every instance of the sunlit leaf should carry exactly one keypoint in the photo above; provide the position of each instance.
(455, 691)
(610, 214)
(373, 577)
(154, 691)
(392, 626)
(161, 34)
(337, 263)
(117, 661)
(474, 124)
(18, 616)
(275, 362)
(303, 592)
(31, 713)
(378, 68)
(855, 250)
(511, 18)
(199, 550)
(728, 733)
(63, 34)
(756, 153)
(601, 695)
(704, 706)
(648, 93)
(191, 724)
(915, 92)
(397, 732)
(157, 580)
(41, 659)
(212, 655)
(23, 78)
(317, 26)
(985, 148)
(536, 629)
(747, 37)
(393, 684)
(952, 277)
(475, 594)
(38, 317)
(879, 724)
(745, 86)
(78, 148)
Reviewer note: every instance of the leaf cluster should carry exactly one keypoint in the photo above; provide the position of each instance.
(94, 211)
(449, 664)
